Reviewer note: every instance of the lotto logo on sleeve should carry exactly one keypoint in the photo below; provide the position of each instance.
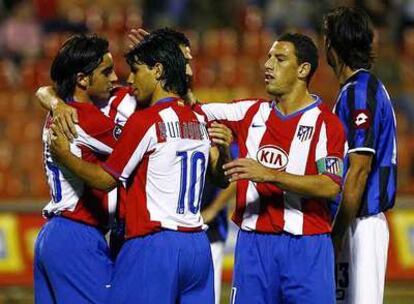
(361, 119)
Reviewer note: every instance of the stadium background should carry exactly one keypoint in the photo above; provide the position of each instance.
(229, 40)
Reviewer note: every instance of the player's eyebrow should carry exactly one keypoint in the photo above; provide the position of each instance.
(108, 69)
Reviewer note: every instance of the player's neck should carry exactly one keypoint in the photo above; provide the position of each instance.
(345, 73)
(81, 96)
(160, 93)
(294, 101)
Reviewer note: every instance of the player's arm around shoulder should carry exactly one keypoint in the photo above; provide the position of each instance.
(93, 174)
(65, 116)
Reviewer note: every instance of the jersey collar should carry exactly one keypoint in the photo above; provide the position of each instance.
(317, 102)
(166, 99)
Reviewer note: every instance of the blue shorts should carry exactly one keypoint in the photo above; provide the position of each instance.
(283, 268)
(71, 264)
(167, 267)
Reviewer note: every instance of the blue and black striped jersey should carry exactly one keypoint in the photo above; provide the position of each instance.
(366, 111)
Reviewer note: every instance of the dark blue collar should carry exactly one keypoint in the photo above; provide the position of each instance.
(317, 102)
(166, 99)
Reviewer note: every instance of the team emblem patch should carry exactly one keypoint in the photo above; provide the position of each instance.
(332, 165)
(304, 133)
(272, 157)
(117, 132)
(361, 119)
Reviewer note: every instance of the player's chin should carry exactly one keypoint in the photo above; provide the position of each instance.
(271, 89)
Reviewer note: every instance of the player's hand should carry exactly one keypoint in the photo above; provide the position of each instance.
(65, 117)
(220, 134)
(135, 36)
(247, 168)
(59, 144)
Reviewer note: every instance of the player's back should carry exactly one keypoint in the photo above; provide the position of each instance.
(163, 160)
(366, 111)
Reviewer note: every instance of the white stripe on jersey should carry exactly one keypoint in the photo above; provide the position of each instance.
(321, 147)
(112, 202)
(299, 151)
(146, 144)
(124, 110)
(84, 139)
(227, 111)
(255, 134)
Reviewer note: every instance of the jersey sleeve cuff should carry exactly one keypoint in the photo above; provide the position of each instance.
(112, 172)
(335, 178)
(362, 149)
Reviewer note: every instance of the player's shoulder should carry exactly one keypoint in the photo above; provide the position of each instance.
(328, 116)
(91, 119)
(121, 92)
(252, 100)
(144, 118)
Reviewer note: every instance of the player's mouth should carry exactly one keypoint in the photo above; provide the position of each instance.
(268, 77)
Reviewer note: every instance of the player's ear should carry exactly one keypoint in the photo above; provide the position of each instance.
(159, 70)
(304, 70)
(82, 80)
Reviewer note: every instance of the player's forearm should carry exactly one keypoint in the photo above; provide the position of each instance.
(223, 198)
(353, 191)
(91, 173)
(320, 186)
(47, 97)
(219, 155)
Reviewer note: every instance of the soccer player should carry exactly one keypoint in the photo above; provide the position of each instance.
(290, 165)
(72, 262)
(161, 158)
(360, 231)
(119, 108)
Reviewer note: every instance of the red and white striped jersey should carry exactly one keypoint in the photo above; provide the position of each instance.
(70, 196)
(161, 157)
(295, 143)
(120, 106)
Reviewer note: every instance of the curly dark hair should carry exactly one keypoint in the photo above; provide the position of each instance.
(157, 48)
(348, 31)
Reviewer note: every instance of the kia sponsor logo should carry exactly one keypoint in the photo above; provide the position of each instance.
(272, 157)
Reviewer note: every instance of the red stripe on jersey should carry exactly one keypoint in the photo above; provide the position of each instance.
(191, 229)
(241, 129)
(119, 96)
(271, 197)
(92, 206)
(94, 123)
(138, 221)
(317, 217)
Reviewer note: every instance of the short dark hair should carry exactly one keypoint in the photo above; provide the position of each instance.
(79, 54)
(348, 30)
(305, 50)
(156, 48)
(175, 36)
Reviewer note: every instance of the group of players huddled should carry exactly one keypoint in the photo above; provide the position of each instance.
(312, 185)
